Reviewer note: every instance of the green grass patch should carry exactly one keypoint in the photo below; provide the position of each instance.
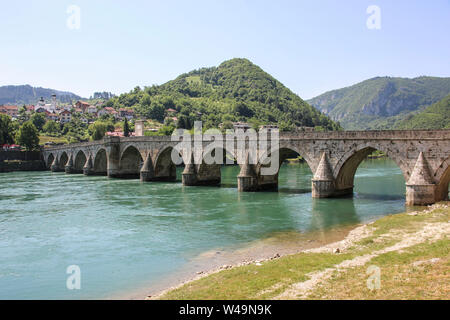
(44, 139)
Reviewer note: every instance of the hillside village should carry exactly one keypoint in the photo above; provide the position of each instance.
(53, 110)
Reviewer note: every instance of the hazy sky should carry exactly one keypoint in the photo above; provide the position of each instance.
(310, 46)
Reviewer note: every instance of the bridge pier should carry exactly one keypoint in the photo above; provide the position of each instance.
(147, 173)
(201, 175)
(55, 166)
(420, 188)
(189, 175)
(247, 178)
(323, 183)
(88, 168)
(68, 168)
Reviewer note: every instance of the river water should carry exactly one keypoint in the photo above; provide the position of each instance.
(123, 233)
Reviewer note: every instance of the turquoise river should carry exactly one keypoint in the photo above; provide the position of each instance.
(124, 234)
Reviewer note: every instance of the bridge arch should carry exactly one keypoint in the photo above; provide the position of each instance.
(346, 167)
(50, 160)
(209, 171)
(283, 153)
(442, 174)
(165, 168)
(63, 158)
(130, 163)
(100, 162)
(79, 161)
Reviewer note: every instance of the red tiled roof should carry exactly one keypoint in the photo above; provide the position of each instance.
(9, 107)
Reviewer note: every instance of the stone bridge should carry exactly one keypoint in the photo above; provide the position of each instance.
(423, 156)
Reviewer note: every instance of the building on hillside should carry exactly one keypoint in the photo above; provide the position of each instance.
(65, 116)
(91, 109)
(50, 107)
(82, 105)
(107, 110)
(12, 111)
(171, 111)
(41, 103)
(29, 109)
(53, 103)
(51, 116)
(126, 113)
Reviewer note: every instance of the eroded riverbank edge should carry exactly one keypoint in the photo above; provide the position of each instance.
(399, 239)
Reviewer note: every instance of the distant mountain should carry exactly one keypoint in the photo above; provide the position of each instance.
(236, 90)
(382, 102)
(26, 94)
(436, 116)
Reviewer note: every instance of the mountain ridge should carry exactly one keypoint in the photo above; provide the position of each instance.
(435, 116)
(27, 94)
(236, 90)
(380, 102)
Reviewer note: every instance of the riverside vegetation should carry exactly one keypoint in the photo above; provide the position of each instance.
(411, 250)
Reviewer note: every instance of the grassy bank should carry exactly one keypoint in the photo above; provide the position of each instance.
(45, 138)
(411, 251)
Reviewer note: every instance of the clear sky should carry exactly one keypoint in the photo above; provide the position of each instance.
(310, 46)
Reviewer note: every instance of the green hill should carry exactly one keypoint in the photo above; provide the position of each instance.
(237, 90)
(26, 94)
(436, 116)
(382, 102)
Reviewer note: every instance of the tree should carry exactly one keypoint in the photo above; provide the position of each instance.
(28, 136)
(38, 120)
(166, 130)
(6, 130)
(126, 128)
(22, 116)
(51, 127)
(184, 122)
(243, 110)
(97, 130)
(227, 125)
(157, 111)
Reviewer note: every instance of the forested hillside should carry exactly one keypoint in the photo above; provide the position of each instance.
(382, 102)
(436, 116)
(237, 90)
